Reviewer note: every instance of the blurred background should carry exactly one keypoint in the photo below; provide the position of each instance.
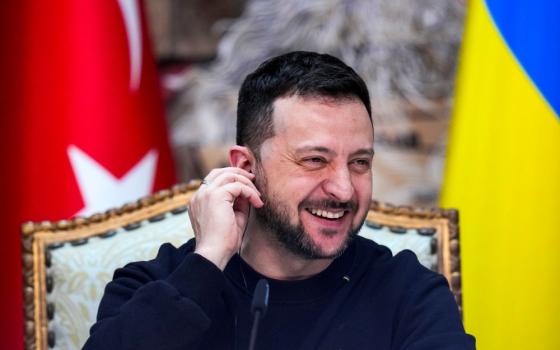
(106, 101)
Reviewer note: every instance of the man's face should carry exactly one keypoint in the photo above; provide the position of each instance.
(315, 174)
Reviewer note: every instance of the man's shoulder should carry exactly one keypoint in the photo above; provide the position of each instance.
(165, 262)
(417, 299)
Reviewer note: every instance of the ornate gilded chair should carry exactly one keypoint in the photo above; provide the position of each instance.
(67, 263)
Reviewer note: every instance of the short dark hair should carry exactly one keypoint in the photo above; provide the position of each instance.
(306, 74)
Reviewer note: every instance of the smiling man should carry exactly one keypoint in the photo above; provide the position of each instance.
(287, 210)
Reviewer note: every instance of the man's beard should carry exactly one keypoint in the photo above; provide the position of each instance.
(274, 217)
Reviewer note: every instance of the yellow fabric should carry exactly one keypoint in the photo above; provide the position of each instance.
(503, 174)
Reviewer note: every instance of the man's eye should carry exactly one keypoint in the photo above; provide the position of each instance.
(362, 163)
(314, 161)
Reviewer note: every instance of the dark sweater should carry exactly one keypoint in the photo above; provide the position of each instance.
(366, 299)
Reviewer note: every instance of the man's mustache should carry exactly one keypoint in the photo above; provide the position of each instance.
(328, 204)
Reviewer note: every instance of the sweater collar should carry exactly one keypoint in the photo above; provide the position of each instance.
(245, 278)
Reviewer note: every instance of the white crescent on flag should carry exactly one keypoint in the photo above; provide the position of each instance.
(132, 24)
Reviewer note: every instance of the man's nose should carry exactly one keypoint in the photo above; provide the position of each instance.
(339, 185)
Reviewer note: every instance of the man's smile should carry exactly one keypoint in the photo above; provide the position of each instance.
(328, 214)
(323, 220)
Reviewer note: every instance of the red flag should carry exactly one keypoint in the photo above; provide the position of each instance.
(89, 130)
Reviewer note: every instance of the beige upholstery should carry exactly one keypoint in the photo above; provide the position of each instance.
(68, 263)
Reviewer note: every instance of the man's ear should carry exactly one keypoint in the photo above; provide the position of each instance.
(241, 157)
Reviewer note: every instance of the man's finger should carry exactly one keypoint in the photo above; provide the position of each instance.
(212, 175)
(238, 189)
(229, 177)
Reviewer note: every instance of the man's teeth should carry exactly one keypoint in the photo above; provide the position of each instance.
(327, 214)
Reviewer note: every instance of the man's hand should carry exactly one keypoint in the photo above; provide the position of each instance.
(219, 211)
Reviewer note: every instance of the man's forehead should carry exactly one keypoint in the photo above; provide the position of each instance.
(336, 126)
(295, 110)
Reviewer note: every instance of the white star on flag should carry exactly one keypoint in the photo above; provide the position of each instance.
(101, 190)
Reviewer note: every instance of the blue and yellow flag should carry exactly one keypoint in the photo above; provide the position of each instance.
(503, 173)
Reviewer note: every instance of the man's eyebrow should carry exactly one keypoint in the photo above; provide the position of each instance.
(364, 151)
(321, 149)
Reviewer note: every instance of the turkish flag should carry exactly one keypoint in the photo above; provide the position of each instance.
(84, 129)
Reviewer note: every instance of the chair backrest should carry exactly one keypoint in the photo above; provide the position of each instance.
(68, 263)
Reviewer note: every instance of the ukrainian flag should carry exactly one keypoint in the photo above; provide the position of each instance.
(503, 173)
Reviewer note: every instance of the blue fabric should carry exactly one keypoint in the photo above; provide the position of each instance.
(532, 32)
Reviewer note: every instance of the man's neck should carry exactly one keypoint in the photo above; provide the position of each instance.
(270, 258)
